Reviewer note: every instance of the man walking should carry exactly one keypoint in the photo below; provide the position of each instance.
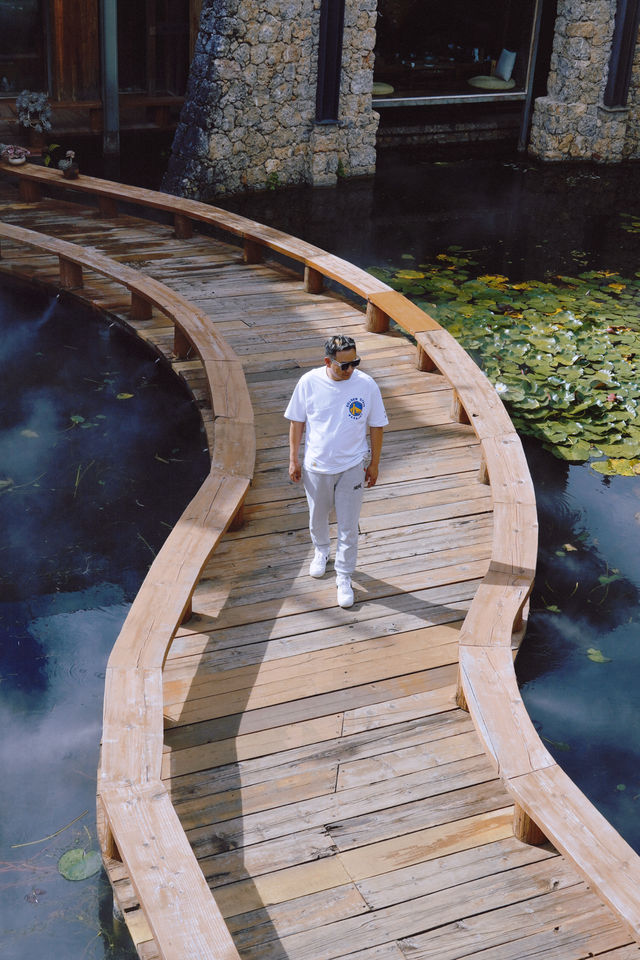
(336, 403)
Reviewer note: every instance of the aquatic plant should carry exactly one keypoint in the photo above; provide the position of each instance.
(563, 352)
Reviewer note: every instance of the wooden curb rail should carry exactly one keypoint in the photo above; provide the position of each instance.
(548, 804)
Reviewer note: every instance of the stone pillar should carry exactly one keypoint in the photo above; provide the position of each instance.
(248, 122)
(571, 122)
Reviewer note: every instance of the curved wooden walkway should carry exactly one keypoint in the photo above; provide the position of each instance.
(338, 801)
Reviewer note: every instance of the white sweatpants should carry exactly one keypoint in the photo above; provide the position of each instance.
(345, 492)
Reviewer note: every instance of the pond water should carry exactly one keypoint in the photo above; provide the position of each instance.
(101, 447)
(528, 222)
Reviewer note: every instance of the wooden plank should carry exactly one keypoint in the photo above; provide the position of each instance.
(133, 702)
(444, 807)
(372, 706)
(507, 468)
(583, 835)
(283, 885)
(292, 916)
(483, 405)
(499, 714)
(405, 313)
(180, 910)
(211, 755)
(417, 858)
(544, 927)
(413, 918)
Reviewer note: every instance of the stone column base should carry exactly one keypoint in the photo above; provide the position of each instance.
(577, 131)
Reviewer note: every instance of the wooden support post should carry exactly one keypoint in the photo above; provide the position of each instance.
(188, 610)
(458, 412)
(461, 700)
(525, 829)
(424, 362)
(253, 252)
(181, 344)
(30, 192)
(108, 207)
(141, 308)
(70, 273)
(377, 319)
(313, 280)
(182, 226)
(106, 839)
(237, 521)
(483, 472)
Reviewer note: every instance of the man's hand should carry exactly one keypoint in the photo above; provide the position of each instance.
(371, 475)
(295, 436)
(295, 471)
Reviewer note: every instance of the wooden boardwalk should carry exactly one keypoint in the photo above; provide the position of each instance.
(341, 806)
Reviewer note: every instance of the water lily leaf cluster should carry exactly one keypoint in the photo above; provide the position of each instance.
(563, 352)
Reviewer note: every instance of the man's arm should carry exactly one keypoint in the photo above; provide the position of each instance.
(295, 436)
(371, 473)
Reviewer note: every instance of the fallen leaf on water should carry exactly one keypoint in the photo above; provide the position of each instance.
(597, 656)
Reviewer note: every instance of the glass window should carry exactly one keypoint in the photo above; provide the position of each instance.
(22, 47)
(429, 48)
(153, 46)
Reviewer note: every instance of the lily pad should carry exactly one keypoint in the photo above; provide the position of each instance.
(597, 656)
(563, 353)
(78, 864)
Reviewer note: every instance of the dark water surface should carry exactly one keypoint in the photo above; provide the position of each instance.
(101, 448)
(580, 661)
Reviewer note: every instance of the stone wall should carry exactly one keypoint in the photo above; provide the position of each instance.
(248, 122)
(571, 122)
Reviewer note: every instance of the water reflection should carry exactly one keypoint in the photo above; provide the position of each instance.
(100, 449)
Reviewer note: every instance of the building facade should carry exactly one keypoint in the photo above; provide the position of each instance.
(280, 92)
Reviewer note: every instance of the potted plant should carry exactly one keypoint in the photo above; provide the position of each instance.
(33, 110)
(34, 113)
(50, 154)
(13, 154)
(68, 165)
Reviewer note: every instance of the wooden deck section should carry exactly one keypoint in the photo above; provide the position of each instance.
(341, 806)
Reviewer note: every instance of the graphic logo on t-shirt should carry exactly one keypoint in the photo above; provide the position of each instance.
(355, 406)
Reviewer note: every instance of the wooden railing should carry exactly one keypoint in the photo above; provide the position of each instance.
(138, 823)
(547, 802)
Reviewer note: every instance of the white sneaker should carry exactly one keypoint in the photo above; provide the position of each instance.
(345, 590)
(318, 565)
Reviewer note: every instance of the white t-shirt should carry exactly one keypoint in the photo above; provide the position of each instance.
(337, 414)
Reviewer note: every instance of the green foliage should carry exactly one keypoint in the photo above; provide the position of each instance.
(273, 180)
(563, 353)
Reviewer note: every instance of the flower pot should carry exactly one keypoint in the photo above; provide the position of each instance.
(16, 161)
(37, 139)
(71, 173)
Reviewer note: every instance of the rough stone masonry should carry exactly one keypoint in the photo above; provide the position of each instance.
(248, 122)
(571, 122)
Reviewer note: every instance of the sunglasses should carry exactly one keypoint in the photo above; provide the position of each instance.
(348, 363)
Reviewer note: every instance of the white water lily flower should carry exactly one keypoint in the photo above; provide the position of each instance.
(501, 387)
